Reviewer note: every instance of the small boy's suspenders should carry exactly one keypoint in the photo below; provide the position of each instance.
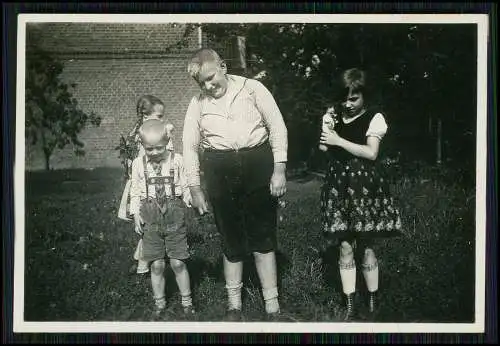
(162, 179)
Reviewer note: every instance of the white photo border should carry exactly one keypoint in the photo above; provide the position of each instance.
(21, 326)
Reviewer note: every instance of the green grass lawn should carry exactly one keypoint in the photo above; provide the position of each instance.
(78, 255)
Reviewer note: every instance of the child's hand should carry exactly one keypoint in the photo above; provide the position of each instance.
(138, 224)
(187, 199)
(330, 138)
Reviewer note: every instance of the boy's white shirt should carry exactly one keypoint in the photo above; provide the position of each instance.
(138, 180)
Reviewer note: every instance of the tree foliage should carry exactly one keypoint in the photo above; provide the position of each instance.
(53, 117)
(422, 72)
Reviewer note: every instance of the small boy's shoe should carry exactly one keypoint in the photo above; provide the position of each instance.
(157, 313)
(189, 311)
(233, 315)
(279, 317)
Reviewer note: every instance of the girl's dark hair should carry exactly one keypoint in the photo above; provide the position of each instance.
(359, 80)
(146, 104)
(354, 80)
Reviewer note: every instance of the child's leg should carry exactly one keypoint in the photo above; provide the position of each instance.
(158, 282)
(266, 269)
(233, 273)
(182, 277)
(347, 267)
(370, 273)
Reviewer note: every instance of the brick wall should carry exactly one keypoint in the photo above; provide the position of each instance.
(113, 65)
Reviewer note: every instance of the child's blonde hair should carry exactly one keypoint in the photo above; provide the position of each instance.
(154, 131)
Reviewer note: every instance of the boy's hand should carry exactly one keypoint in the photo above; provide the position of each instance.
(198, 200)
(277, 186)
(186, 197)
(138, 224)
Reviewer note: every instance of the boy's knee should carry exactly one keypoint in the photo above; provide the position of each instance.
(158, 266)
(177, 265)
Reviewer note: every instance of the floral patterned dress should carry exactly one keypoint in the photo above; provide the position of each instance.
(129, 149)
(355, 198)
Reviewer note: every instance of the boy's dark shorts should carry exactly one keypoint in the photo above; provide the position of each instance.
(244, 209)
(164, 234)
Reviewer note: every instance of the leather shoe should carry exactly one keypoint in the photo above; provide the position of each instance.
(279, 317)
(233, 315)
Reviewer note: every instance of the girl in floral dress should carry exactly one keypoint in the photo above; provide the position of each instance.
(356, 204)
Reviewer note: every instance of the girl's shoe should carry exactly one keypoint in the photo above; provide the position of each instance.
(372, 301)
(349, 307)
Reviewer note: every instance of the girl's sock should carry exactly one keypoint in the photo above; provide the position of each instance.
(370, 273)
(348, 276)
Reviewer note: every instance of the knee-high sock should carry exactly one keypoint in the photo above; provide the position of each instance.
(348, 276)
(370, 273)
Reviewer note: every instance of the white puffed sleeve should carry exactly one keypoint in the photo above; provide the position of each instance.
(378, 127)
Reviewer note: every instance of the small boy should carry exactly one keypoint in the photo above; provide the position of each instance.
(159, 196)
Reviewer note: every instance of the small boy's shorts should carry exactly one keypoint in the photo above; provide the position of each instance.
(164, 234)
(244, 209)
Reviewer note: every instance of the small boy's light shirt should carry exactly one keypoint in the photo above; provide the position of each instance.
(138, 180)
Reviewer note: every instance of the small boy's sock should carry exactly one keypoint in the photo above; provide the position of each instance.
(186, 300)
(160, 303)
(271, 300)
(234, 295)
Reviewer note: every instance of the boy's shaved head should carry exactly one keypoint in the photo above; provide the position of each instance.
(155, 131)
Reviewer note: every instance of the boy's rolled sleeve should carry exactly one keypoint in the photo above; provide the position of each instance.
(190, 143)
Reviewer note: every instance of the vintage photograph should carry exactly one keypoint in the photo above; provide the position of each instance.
(265, 172)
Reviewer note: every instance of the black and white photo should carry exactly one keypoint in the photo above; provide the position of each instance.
(250, 173)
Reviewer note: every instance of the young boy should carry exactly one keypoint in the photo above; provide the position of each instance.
(159, 196)
(148, 106)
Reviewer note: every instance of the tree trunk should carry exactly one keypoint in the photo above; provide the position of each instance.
(47, 155)
(439, 141)
(46, 151)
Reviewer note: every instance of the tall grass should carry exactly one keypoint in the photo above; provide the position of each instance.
(78, 255)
